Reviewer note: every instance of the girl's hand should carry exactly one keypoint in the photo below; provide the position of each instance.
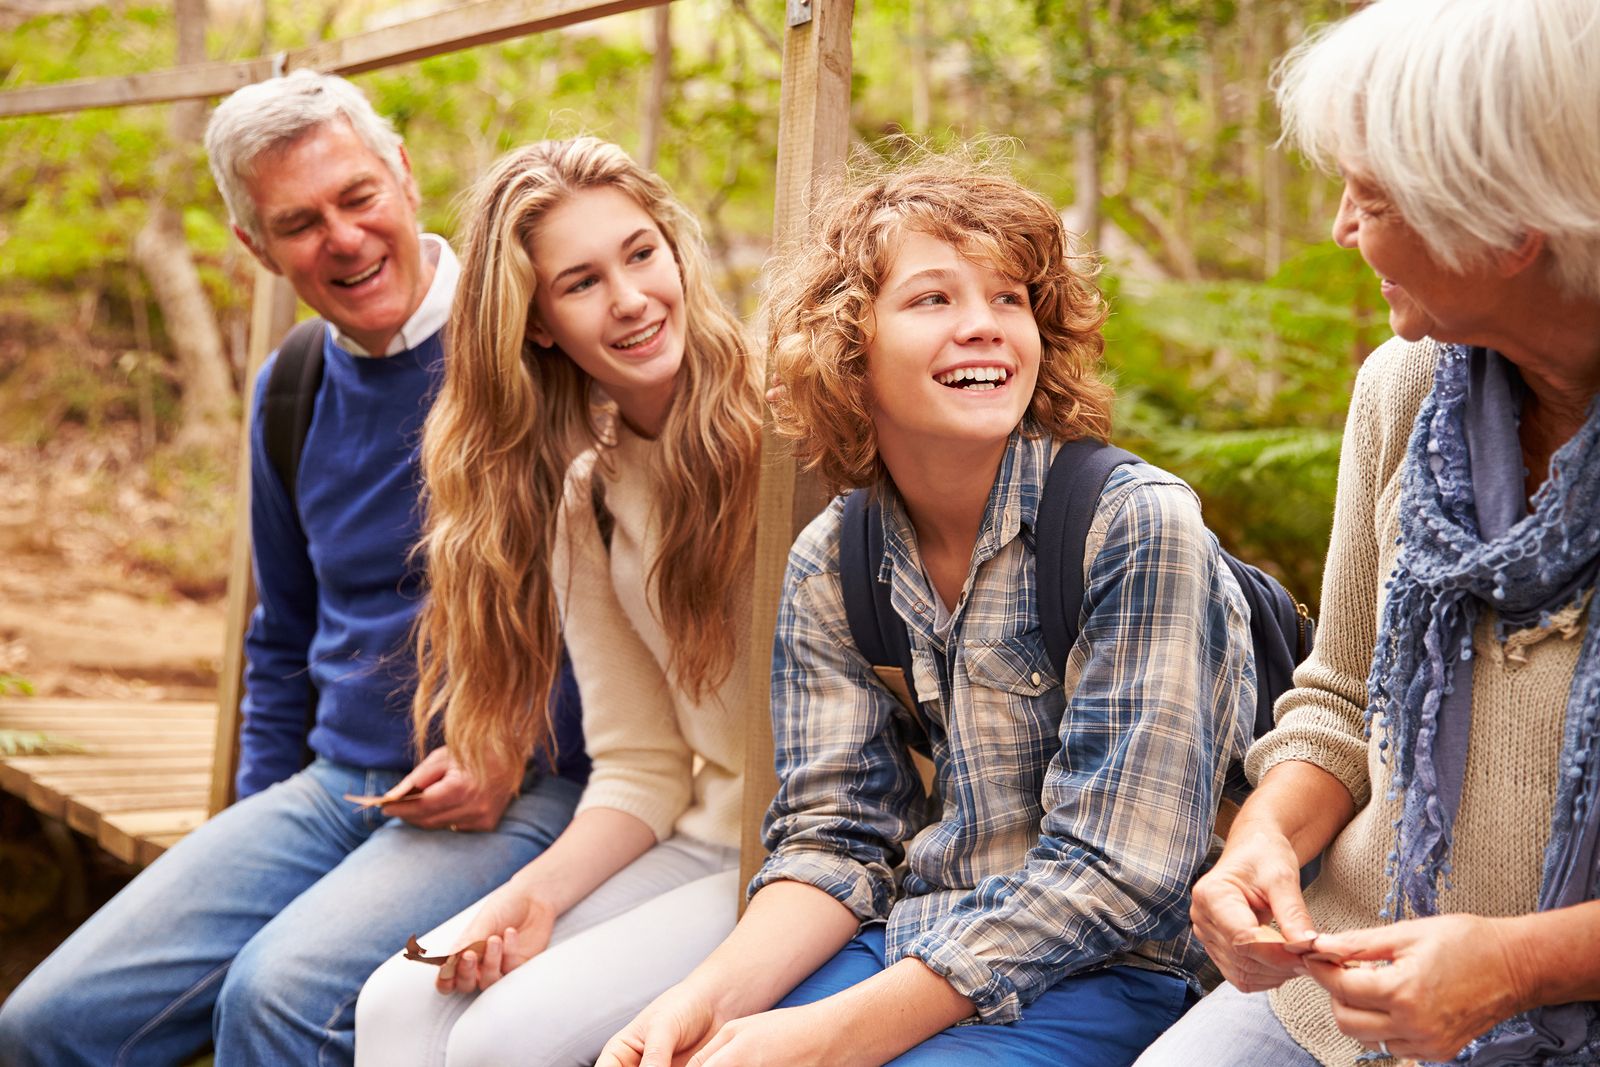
(515, 926)
(1256, 881)
(1436, 983)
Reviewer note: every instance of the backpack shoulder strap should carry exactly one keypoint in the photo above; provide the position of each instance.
(292, 399)
(1066, 511)
(879, 634)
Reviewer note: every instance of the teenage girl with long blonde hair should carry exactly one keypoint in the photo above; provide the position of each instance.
(591, 465)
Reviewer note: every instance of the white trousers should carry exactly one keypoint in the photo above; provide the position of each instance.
(639, 933)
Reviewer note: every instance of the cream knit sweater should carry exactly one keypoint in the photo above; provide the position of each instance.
(1519, 701)
(673, 762)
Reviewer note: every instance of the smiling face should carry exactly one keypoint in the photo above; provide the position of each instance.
(954, 355)
(610, 296)
(342, 229)
(1426, 298)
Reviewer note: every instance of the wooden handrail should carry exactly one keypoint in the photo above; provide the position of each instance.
(465, 26)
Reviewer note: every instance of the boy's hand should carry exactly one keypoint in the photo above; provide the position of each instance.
(666, 1033)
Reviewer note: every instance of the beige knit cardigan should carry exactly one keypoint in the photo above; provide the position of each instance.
(1519, 699)
(675, 762)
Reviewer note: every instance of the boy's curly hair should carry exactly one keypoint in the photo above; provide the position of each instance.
(820, 318)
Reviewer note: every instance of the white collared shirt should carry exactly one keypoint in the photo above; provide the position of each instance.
(431, 314)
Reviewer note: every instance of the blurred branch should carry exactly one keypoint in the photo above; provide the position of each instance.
(743, 8)
(29, 9)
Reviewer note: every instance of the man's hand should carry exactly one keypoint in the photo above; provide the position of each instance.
(1256, 880)
(515, 926)
(1439, 983)
(452, 799)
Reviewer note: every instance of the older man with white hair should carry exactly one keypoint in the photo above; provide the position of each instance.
(258, 929)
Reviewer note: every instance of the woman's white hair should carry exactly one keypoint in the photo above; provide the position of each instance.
(1479, 120)
(277, 112)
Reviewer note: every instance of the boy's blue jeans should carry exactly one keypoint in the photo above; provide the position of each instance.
(1099, 1019)
(259, 927)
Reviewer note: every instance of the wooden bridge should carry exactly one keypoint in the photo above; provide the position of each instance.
(139, 779)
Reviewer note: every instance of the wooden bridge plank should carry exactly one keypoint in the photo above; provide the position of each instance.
(140, 780)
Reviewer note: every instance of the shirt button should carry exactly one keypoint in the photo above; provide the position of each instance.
(918, 607)
(1035, 678)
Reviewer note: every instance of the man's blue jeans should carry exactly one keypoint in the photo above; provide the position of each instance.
(259, 927)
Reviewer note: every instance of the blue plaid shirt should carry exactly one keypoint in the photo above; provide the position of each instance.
(1069, 816)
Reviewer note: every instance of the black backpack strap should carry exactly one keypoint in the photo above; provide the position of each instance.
(291, 400)
(1066, 511)
(878, 632)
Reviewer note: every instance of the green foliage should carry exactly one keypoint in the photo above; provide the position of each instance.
(1241, 388)
(34, 743)
(1235, 374)
(12, 685)
(28, 742)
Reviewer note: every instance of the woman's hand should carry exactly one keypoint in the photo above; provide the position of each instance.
(674, 1026)
(1438, 983)
(515, 926)
(1256, 881)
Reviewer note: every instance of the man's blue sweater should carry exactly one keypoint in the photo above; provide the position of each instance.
(337, 601)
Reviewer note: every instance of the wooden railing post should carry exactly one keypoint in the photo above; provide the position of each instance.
(813, 138)
(271, 314)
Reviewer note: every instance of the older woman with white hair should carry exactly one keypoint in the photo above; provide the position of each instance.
(1439, 748)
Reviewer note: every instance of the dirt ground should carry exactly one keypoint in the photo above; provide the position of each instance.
(84, 614)
(80, 616)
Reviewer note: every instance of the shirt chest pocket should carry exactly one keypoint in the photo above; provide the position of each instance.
(1014, 719)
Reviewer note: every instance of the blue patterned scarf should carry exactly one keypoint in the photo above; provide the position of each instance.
(1467, 542)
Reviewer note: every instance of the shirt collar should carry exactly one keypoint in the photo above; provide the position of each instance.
(434, 311)
(1013, 500)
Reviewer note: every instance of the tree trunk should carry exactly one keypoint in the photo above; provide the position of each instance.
(163, 255)
(655, 105)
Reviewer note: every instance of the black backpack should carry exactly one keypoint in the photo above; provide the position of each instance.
(291, 400)
(1281, 628)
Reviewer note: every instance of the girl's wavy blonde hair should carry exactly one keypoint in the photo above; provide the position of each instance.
(819, 305)
(510, 419)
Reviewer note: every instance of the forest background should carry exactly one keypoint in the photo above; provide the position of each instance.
(1235, 333)
(124, 299)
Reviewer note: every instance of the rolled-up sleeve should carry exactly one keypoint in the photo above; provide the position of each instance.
(1158, 712)
(848, 792)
